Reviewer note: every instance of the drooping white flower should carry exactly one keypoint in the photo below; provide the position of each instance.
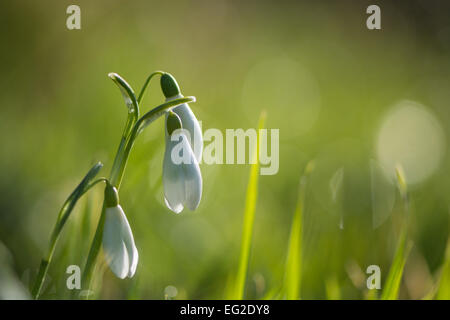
(118, 242)
(189, 122)
(182, 178)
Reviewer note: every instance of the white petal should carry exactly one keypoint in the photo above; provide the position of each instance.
(116, 253)
(175, 208)
(173, 178)
(128, 240)
(193, 182)
(191, 124)
(133, 263)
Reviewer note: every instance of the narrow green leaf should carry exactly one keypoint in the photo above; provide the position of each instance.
(292, 277)
(371, 295)
(273, 294)
(332, 288)
(63, 215)
(392, 284)
(76, 194)
(443, 292)
(249, 218)
(127, 93)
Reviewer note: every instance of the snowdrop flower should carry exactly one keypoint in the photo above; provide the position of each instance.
(182, 178)
(118, 243)
(171, 91)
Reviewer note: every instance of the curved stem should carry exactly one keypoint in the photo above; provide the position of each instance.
(144, 87)
(119, 154)
(114, 176)
(145, 120)
(92, 184)
(93, 251)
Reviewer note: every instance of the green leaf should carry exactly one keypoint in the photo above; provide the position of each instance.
(332, 288)
(127, 93)
(75, 195)
(443, 292)
(249, 218)
(392, 284)
(273, 294)
(292, 276)
(63, 215)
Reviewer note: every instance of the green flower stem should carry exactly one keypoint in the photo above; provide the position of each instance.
(63, 215)
(114, 176)
(119, 167)
(144, 87)
(146, 120)
(119, 154)
(93, 251)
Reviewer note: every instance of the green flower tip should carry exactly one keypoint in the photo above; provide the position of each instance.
(169, 85)
(173, 122)
(111, 196)
(113, 75)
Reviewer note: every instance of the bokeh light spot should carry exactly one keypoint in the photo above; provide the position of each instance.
(410, 135)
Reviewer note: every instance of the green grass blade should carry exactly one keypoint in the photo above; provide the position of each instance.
(273, 294)
(249, 217)
(371, 295)
(392, 284)
(292, 277)
(443, 292)
(332, 288)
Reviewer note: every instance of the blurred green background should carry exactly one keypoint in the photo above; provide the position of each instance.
(354, 100)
